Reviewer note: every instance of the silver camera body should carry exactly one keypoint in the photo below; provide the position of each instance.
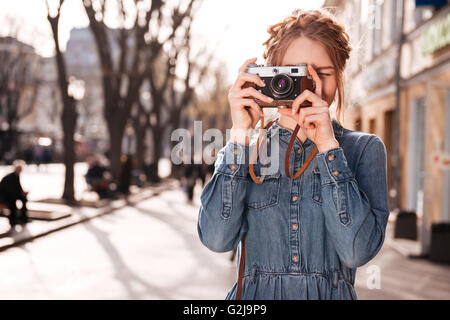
(283, 83)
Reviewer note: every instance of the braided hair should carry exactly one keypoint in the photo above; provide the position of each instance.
(319, 25)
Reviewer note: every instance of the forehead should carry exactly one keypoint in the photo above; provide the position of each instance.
(305, 50)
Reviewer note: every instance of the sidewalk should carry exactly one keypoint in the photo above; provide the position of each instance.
(407, 248)
(70, 216)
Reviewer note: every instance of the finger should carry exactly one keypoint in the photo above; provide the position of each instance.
(305, 112)
(307, 95)
(246, 63)
(287, 112)
(317, 80)
(312, 121)
(244, 77)
(252, 104)
(252, 92)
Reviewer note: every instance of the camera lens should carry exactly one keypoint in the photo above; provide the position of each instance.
(281, 85)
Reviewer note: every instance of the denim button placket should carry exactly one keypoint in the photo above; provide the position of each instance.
(294, 207)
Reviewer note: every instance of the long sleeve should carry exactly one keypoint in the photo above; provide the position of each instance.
(355, 205)
(221, 223)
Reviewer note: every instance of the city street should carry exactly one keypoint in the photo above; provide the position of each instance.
(152, 251)
(137, 97)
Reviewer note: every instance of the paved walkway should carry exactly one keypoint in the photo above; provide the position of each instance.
(401, 277)
(148, 251)
(45, 185)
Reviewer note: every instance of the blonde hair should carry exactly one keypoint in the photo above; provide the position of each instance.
(319, 25)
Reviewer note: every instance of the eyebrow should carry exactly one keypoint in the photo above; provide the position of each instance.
(327, 67)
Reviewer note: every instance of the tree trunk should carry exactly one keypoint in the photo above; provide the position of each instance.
(157, 147)
(69, 115)
(175, 123)
(140, 147)
(69, 120)
(115, 148)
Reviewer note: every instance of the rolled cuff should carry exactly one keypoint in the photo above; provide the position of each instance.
(333, 167)
(233, 159)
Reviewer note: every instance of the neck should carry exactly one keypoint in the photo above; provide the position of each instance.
(289, 123)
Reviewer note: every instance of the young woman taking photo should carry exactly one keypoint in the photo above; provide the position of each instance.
(298, 236)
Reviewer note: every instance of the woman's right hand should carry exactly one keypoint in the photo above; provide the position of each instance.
(240, 98)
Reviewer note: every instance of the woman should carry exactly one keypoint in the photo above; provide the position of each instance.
(306, 236)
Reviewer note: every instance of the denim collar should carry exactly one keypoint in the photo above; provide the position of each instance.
(285, 134)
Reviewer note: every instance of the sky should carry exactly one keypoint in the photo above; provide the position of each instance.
(239, 24)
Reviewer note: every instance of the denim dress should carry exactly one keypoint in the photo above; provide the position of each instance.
(305, 237)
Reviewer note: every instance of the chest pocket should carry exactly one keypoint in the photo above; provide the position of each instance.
(316, 187)
(266, 194)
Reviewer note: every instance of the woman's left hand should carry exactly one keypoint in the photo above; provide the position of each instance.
(315, 121)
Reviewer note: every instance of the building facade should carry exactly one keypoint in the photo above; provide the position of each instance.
(19, 83)
(422, 125)
(83, 65)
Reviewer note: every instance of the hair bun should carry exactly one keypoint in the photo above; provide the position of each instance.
(318, 24)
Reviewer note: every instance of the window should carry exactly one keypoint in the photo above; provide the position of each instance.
(372, 124)
(358, 126)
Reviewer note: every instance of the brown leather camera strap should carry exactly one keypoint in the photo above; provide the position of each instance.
(287, 169)
(305, 165)
(255, 152)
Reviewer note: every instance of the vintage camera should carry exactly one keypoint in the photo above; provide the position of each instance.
(283, 84)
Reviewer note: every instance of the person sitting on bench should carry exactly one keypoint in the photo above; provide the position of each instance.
(99, 179)
(11, 191)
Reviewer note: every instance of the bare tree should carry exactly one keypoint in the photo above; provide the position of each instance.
(173, 92)
(213, 108)
(141, 125)
(137, 45)
(69, 114)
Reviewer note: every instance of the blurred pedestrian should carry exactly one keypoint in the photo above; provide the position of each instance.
(151, 171)
(28, 154)
(11, 191)
(125, 175)
(9, 156)
(189, 179)
(38, 153)
(201, 172)
(47, 155)
(99, 179)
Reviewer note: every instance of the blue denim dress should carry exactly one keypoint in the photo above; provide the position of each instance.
(305, 237)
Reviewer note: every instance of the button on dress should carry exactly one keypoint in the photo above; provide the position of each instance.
(305, 237)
